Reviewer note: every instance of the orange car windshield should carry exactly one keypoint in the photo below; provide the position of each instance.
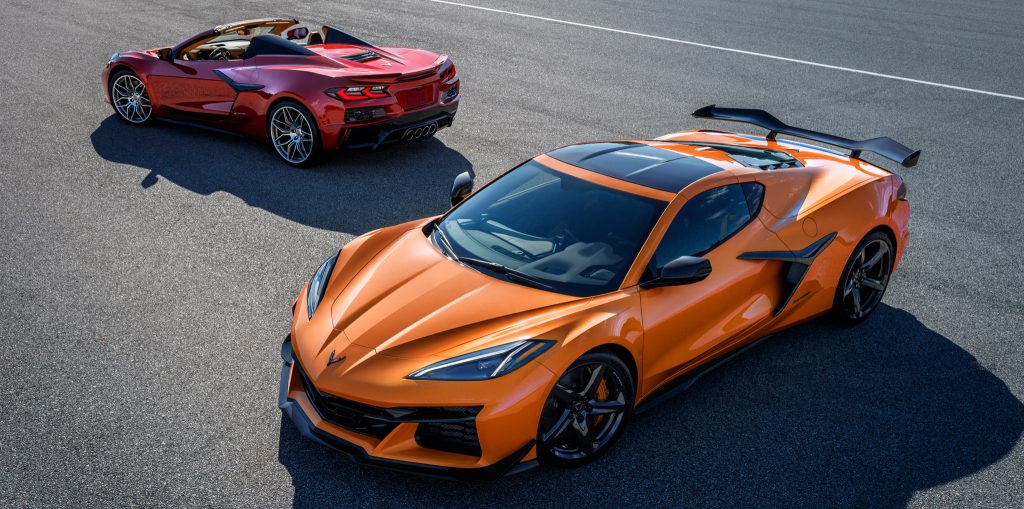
(551, 230)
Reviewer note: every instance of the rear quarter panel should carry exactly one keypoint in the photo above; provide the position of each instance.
(802, 205)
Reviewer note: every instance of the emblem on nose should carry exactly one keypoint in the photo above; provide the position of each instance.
(334, 360)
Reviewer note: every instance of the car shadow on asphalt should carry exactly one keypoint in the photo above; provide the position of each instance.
(818, 415)
(350, 191)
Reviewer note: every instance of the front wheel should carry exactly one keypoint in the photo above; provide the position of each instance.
(130, 98)
(586, 411)
(864, 280)
(294, 134)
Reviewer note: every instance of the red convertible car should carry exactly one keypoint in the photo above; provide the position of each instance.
(306, 92)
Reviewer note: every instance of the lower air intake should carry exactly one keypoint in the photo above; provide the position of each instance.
(458, 437)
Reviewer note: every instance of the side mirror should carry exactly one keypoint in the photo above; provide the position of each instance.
(461, 188)
(297, 33)
(681, 271)
(165, 54)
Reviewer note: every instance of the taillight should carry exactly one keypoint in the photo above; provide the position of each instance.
(357, 93)
(448, 74)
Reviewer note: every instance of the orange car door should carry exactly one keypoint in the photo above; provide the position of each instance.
(687, 324)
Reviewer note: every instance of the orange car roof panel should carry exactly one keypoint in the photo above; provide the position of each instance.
(638, 163)
(604, 180)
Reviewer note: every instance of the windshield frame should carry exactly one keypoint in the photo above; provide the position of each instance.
(628, 278)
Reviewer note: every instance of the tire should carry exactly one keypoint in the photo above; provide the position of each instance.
(579, 411)
(294, 134)
(864, 280)
(130, 98)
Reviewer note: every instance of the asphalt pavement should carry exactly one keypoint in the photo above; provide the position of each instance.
(146, 274)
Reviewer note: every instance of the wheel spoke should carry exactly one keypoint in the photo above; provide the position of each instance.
(860, 260)
(882, 251)
(582, 431)
(873, 284)
(856, 301)
(563, 394)
(606, 407)
(558, 428)
(595, 380)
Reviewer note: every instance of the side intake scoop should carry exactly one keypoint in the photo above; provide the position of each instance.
(797, 264)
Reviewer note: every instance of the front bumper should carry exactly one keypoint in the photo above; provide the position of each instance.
(298, 406)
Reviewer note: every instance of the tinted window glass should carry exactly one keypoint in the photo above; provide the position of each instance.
(572, 235)
(755, 195)
(704, 222)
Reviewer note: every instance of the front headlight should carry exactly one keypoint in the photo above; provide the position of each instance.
(484, 364)
(318, 283)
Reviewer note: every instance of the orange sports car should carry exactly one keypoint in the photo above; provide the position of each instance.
(532, 319)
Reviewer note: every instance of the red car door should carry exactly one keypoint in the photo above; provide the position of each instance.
(192, 88)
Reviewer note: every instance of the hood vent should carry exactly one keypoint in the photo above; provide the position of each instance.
(365, 56)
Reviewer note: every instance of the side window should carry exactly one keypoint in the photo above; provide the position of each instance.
(755, 195)
(707, 220)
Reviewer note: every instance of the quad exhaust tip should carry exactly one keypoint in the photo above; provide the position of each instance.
(419, 132)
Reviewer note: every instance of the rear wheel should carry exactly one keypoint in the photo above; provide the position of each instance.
(130, 98)
(864, 280)
(586, 411)
(294, 134)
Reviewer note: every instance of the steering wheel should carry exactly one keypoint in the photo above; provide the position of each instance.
(220, 53)
(565, 237)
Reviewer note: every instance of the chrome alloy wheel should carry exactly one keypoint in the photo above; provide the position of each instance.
(130, 99)
(584, 412)
(291, 134)
(867, 279)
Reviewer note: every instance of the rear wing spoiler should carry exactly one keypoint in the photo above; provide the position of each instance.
(885, 147)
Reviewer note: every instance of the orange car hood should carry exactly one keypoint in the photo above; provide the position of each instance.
(409, 300)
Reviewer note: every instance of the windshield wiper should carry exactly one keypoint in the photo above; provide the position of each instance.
(445, 244)
(508, 272)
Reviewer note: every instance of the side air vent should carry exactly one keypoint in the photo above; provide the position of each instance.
(785, 164)
(365, 56)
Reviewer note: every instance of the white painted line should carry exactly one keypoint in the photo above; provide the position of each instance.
(734, 50)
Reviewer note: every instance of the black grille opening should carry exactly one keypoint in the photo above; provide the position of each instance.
(357, 417)
(458, 437)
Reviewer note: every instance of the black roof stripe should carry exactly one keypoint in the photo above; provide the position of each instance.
(637, 163)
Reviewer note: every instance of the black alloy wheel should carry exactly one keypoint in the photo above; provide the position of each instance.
(586, 411)
(864, 279)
